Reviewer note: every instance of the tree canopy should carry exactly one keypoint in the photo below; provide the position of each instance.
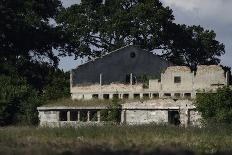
(97, 28)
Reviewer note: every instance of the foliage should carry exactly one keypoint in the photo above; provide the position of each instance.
(18, 101)
(26, 31)
(112, 113)
(19, 97)
(147, 23)
(216, 107)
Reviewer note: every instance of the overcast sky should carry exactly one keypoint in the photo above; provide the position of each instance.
(211, 14)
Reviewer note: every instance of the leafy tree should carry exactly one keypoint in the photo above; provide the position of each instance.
(18, 101)
(26, 32)
(98, 28)
(216, 107)
(192, 45)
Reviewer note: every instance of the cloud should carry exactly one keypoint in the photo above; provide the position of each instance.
(211, 14)
(218, 10)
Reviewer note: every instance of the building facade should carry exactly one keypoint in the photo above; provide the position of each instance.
(154, 90)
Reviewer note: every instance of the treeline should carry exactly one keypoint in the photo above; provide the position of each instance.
(22, 90)
(30, 31)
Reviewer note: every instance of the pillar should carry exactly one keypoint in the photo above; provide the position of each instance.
(88, 116)
(68, 115)
(123, 116)
(100, 79)
(58, 116)
(98, 116)
(78, 116)
(131, 78)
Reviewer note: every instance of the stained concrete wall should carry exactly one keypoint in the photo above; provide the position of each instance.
(136, 112)
(205, 78)
(115, 66)
(146, 116)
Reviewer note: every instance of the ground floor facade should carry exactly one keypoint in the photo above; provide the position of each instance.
(160, 111)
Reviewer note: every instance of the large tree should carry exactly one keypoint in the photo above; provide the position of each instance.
(98, 28)
(26, 30)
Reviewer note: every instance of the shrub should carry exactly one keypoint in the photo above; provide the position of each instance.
(216, 107)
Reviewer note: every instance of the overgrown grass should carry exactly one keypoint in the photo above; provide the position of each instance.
(145, 138)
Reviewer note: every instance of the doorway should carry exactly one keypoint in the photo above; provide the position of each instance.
(174, 117)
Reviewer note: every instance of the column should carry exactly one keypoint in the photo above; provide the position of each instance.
(68, 115)
(88, 116)
(100, 79)
(99, 116)
(78, 116)
(58, 116)
(131, 78)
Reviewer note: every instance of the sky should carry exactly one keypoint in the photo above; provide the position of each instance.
(211, 14)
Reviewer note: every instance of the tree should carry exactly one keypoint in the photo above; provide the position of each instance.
(113, 24)
(26, 32)
(216, 107)
(98, 28)
(192, 46)
(18, 101)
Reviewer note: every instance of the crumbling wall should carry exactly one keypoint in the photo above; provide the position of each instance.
(146, 116)
(209, 77)
(168, 79)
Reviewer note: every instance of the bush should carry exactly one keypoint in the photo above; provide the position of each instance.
(216, 107)
(18, 101)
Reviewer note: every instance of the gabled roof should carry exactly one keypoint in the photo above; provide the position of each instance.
(119, 50)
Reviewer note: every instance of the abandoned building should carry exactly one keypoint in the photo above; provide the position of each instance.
(154, 90)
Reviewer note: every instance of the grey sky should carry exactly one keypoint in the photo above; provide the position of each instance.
(211, 14)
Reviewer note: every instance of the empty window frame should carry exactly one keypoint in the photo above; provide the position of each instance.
(95, 96)
(136, 96)
(106, 96)
(146, 95)
(177, 95)
(155, 95)
(93, 116)
(187, 95)
(177, 79)
(167, 94)
(73, 115)
(63, 116)
(83, 115)
(125, 96)
(115, 96)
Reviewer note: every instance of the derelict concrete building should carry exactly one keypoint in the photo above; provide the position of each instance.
(153, 89)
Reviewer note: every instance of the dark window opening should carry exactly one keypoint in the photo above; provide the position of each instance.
(83, 116)
(93, 116)
(63, 116)
(155, 95)
(146, 96)
(73, 115)
(106, 96)
(177, 95)
(132, 54)
(174, 117)
(115, 96)
(95, 96)
(125, 96)
(136, 96)
(167, 94)
(177, 79)
(187, 95)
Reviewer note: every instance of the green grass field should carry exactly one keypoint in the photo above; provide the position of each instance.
(112, 139)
